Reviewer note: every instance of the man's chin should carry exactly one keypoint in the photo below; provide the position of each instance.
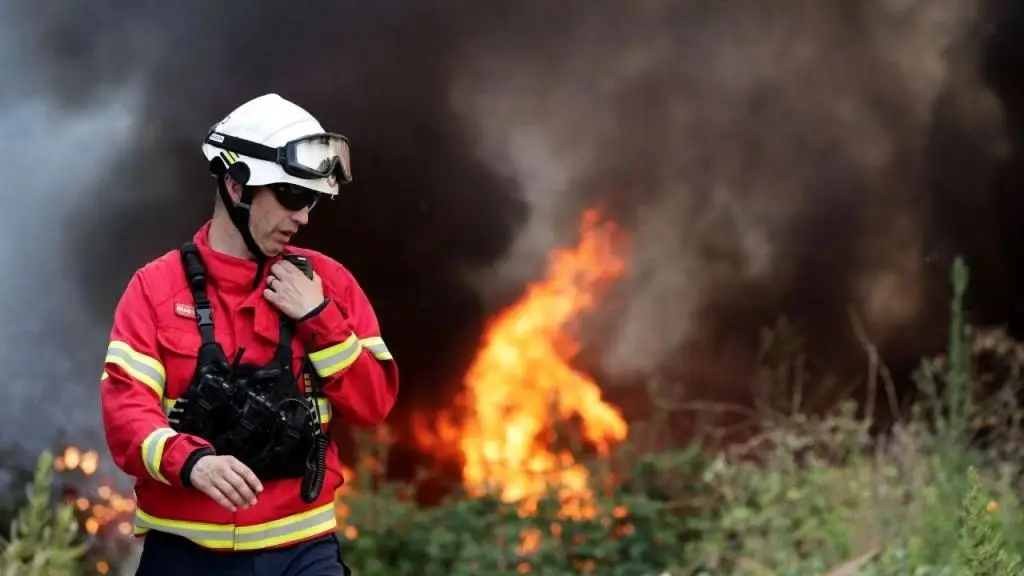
(272, 248)
(275, 244)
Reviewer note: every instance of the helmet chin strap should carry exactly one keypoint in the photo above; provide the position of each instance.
(239, 214)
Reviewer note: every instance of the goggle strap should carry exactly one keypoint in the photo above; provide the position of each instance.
(247, 148)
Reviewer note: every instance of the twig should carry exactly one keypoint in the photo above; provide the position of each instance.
(875, 368)
(719, 407)
(852, 567)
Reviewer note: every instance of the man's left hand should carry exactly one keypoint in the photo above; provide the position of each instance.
(291, 292)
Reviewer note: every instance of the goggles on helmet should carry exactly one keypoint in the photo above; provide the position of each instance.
(311, 157)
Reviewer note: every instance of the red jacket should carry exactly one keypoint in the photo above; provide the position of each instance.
(151, 360)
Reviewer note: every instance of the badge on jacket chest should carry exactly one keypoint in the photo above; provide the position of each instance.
(185, 310)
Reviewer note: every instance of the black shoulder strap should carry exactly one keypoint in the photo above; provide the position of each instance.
(195, 273)
(284, 342)
(312, 384)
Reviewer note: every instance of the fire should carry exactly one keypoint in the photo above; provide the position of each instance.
(341, 509)
(521, 385)
(74, 459)
(103, 513)
(108, 508)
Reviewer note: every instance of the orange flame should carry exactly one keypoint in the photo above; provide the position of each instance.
(99, 513)
(521, 385)
(108, 507)
(74, 459)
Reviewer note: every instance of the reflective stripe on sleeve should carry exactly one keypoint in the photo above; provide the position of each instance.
(286, 530)
(153, 452)
(376, 346)
(143, 368)
(323, 407)
(334, 359)
(168, 404)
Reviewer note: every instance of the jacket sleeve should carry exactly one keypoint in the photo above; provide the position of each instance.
(360, 378)
(131, 391)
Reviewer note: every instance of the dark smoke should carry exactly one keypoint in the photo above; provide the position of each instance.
(794, 157)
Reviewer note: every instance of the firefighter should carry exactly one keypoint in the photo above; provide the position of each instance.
(230, 355)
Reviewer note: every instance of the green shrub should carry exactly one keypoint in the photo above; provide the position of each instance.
(42, 538)
(982, 549)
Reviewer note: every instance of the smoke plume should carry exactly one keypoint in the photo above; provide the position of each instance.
(793, 157)
(766, 159)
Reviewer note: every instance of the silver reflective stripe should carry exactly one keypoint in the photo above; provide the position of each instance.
(377, 347)
(139, 366)
(306, 524)
(334, 359)
(153, 451)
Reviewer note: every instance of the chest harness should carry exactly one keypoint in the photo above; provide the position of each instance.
(258, 414)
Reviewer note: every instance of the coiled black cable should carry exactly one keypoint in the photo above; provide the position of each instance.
(316, 470)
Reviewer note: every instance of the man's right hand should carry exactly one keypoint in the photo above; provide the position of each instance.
(223, 478)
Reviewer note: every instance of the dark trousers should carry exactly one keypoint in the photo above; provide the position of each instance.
(169, 555)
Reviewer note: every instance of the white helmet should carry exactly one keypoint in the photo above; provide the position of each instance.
(280, 143)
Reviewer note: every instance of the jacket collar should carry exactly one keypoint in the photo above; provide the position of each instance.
(239, 278)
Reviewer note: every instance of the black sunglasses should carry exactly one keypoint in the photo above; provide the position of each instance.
(293, 197)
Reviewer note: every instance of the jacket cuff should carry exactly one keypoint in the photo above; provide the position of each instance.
(324, 326)
(190, 463)
(316, 310)
(164, 451)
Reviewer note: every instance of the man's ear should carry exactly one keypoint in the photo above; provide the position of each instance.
(234, 188)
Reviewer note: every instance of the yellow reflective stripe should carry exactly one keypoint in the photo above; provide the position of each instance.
(376, 347)
(206, 535)
(334, 359)
(286, 530)
(153, 451)
(143, 368)
(168, 404)
(323, 406)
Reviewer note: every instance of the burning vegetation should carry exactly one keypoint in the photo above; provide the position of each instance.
(105, 515)
(109, 509)
(522, 388)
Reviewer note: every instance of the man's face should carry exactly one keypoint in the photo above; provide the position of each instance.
(272, 225)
